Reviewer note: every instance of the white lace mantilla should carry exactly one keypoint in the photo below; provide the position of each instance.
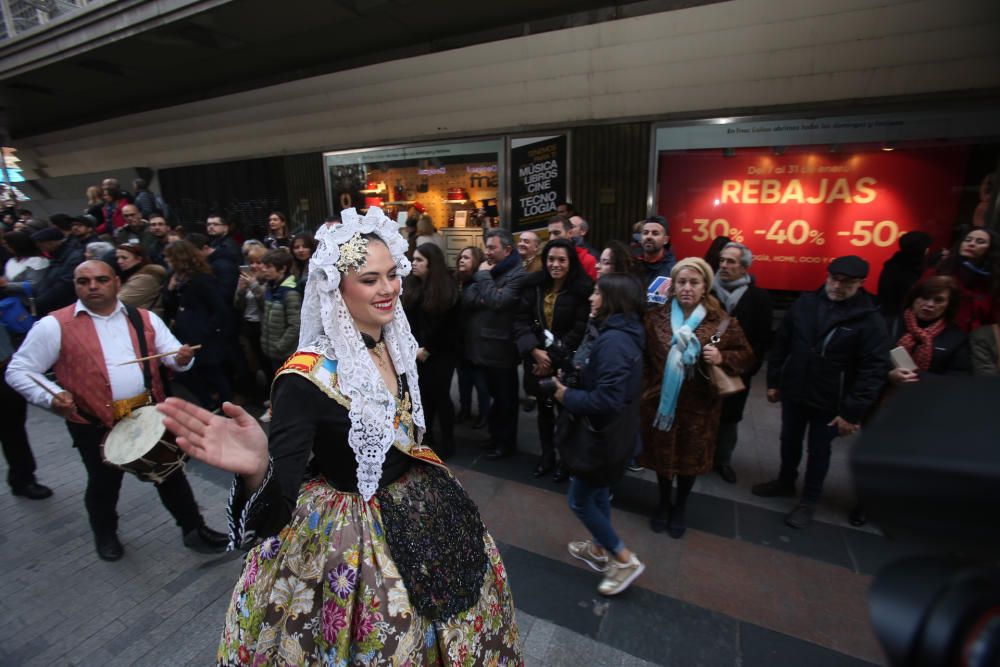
(327, 327)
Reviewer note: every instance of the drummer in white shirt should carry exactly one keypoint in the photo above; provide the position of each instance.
(86, 344)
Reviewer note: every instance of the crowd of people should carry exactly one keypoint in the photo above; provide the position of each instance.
(625, 353)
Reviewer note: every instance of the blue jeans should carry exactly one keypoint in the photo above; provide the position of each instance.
(592, 505)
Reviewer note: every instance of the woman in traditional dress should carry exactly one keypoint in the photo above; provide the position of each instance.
(379, 557)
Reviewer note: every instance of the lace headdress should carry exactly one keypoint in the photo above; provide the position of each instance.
(327, 326)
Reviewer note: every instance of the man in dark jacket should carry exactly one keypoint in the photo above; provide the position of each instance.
(657, 258)
(492, 301)
(901, 272)
(56, 289)
(218, 232)
(144, 199)
(828, 362)
(225, 270)
(158, 230)
(751, 306)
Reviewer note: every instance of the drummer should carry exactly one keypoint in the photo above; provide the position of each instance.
(96, 390)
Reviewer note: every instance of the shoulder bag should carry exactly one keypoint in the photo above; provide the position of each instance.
(725, 384)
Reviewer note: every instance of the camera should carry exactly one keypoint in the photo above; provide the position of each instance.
(926, 469)
(562, 360)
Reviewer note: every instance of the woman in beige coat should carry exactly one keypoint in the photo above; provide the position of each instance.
(141, 279)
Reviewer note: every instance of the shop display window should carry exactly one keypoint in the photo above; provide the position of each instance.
(457, 184)
(800, 193)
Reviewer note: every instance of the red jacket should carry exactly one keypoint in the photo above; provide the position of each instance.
(588, 261)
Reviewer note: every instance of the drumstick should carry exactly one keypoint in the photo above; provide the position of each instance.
(155, 356)
(52, 393)
(42, 385)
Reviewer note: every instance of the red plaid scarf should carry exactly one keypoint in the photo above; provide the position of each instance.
(919, 341)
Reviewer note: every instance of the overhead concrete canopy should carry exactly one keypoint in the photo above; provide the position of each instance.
(120, 57)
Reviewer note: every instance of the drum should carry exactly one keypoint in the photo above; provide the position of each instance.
(140, 444)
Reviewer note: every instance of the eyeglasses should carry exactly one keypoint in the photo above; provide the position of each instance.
(103, 280)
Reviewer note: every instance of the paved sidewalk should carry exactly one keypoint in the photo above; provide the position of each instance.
(740, 589)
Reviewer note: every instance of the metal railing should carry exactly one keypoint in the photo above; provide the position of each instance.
(23, 16)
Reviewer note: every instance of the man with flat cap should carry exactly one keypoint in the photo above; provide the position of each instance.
(828, 362)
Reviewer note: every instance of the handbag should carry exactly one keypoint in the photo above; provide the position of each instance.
(725, 384)
(14, 316)
(597, 455)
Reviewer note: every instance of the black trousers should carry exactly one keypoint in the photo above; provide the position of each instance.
(502, 383)
(796, 420)
(104, 483)
(209, 383)
(13, 437)
(435, 392)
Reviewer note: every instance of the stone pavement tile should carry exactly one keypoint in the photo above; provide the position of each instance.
(568, 649)
(820, 541)
(763, 648)
(535, 643)
(554, 591)
(872, 552)
(91, 651)
(670, 632)
(814, 601)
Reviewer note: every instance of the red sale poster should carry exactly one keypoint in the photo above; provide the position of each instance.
(797, 212)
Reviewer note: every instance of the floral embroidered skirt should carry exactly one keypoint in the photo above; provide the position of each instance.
(327, 590)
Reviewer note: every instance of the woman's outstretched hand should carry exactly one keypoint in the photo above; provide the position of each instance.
(234, 443)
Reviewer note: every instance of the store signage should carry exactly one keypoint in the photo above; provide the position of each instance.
(736, 132)
(369, 156)
(538, 180)
(798, 212)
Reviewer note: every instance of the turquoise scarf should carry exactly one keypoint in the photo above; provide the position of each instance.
(684, 352)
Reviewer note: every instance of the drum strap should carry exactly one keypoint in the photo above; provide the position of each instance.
(136, 319)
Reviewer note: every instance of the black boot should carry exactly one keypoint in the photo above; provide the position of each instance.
(678, 523)
(545, 464)
(661, 517)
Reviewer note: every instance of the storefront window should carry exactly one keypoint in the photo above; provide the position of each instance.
(458, 184)
(799, 193)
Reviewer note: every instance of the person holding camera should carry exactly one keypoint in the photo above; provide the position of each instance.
(550, 324)
(681, 406)
(598, 427)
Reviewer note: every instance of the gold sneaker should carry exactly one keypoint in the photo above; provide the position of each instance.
(584, 550)
(619, 575)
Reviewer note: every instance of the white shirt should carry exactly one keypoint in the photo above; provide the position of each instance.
(40, 351)
(15, 267)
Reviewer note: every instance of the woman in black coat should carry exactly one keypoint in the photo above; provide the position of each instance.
(927, 331)
(606, 399)
(192, 303)
(430, 301)
(553, 305)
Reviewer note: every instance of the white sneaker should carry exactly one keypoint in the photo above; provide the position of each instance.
(584, 550)
(620, 575)
(265, 418)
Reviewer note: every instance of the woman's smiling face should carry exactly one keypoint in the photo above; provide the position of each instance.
(371, 291)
